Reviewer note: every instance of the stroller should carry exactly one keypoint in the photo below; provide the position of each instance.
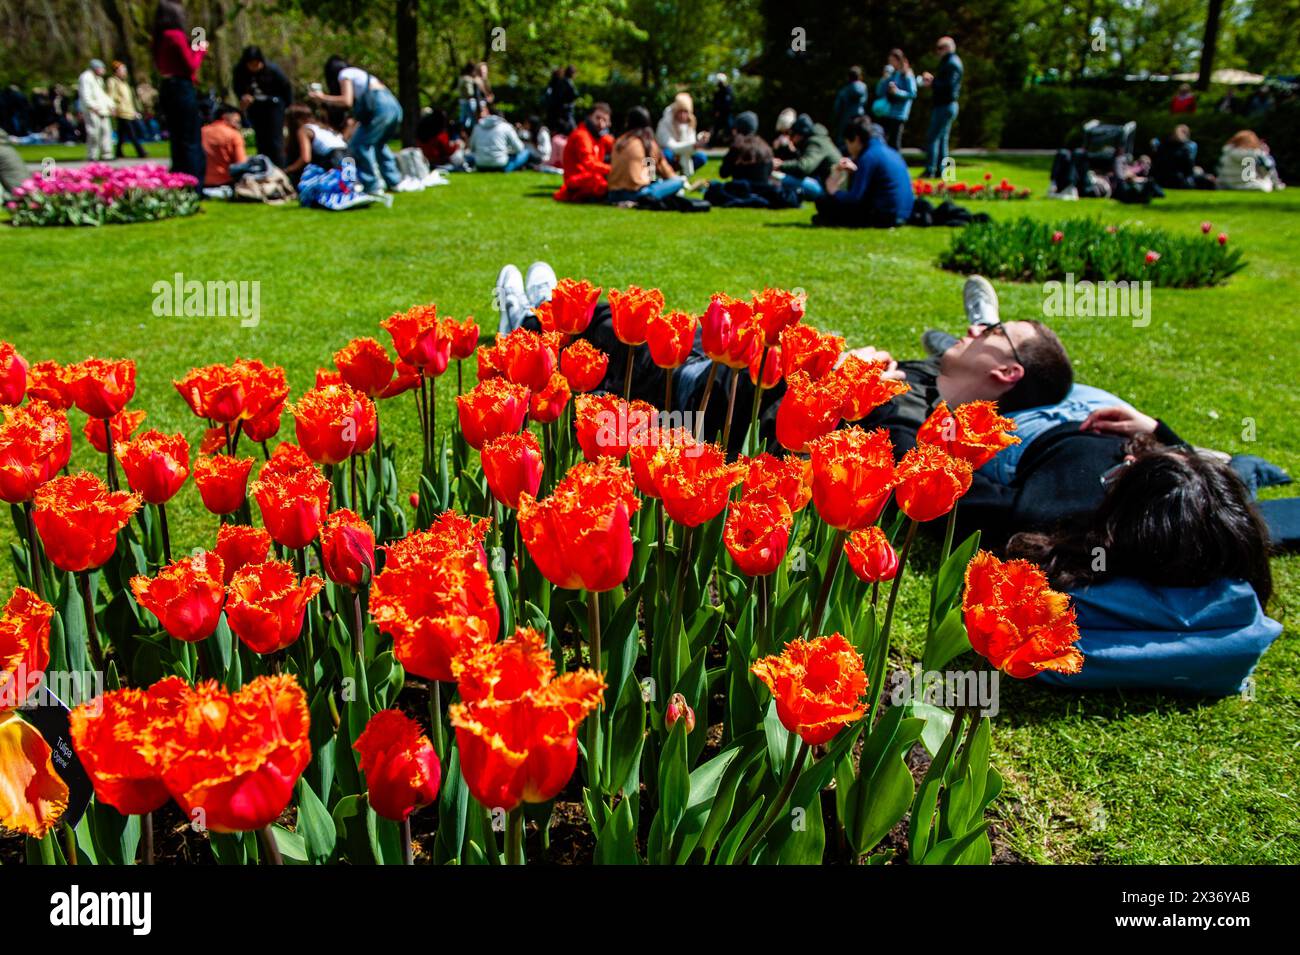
(1104, 167)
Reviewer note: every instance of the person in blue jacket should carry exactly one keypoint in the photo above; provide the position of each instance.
(879, 194)
(946, 89)
(894, 94)
(850, 103)
(1170, 576)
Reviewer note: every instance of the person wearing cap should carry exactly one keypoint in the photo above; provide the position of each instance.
(723, 103)
(945, 89)
(880, 190)
(678, 138)
(816, 156)
(125, 111)
(96, 112)
(750, 157)
(782, 145)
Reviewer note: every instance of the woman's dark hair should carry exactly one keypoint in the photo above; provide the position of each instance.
(168, 15)
(1173, 517)
(251, 54)
(638, 126)
(333, 67)
(297, 116)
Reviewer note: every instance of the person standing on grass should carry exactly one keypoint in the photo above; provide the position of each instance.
(96, 112)
(264, 94)
(894, 95)
(378, 116)
(559, 97)
(585, 167)
(177, 61)
(637, 167)
(724, 101)
(850, 102)
(945, 88)
(125, 112)
(467, 97)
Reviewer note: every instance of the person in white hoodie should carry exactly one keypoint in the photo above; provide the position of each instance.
(678, 138)
(96, 112)
(494, 146)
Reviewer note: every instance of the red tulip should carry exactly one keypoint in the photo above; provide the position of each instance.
(464, 337)
(348, 544)
(101, 387)
(584, 365)
(870, 555)
(757, 535)
(492, 408)
(293, 504)
(186, 596)
(853, 474)
(122, 425)
(630, 311)
(400, 765)
(78, 519)
(222, 482)
(35, 444)
(239, 545)
(365, 366)
(156, 464)
(267, 604)
(547, 405)
(571, 306)
(420, 339)
(215, 392)
(335, 422)
(670, 337)
(512, 465)
(13, 375)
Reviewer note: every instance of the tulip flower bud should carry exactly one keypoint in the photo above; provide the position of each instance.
(677, 709)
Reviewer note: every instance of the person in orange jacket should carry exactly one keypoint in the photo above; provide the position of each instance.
(585, 168)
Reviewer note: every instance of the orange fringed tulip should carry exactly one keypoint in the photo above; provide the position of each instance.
(35, 444)
(631, 310)
(78, 519)
(808, 410)
(776, 310)
(234, 758)
(770, 364)
(239, 545)
(101, 387)
(757, 535)
(870, 555)
(728, 333)
(24, 644)
(32, 795)
(122, 740)
(464, 336)
(646, 442)
(266, 390)
(670, 336)
(215, 392)
(155, 464)
(400, 765)
(516, 725)
(547, 405)
(572, 304)
(864, 388)
(789, 478)
(348, 545)
(694, 481)
(293, 504)
(420, 339)
(186, 596)
(818, 686)
(490, 409)
(334, 422)
(804, 348)
(267, 603)
(974, 431)
(525, 358)
(606, 425)
(435, 597)
(1016, 621)
(853, 475)
(123, 425)
(13, 375)
(222, 481)
(584, 365)
(512, 465)
(580, 537)
(365, 366)
(48, 381)
(930, 482)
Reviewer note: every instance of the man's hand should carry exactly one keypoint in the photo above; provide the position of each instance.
(927, 78)
(848, 164)
(776, 162)
(1125, 422)
(245, 100)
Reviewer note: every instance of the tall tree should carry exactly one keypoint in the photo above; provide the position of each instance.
(1209, 44)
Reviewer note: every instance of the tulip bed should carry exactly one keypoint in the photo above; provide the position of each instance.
(99, 194)
(595, 602)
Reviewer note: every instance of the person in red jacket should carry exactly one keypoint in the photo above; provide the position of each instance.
(585, 168)
(177, 58)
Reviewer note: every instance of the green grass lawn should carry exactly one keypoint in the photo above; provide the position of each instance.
(1102, 777)
(76, 152)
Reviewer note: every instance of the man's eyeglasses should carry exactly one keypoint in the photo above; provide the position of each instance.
(1001, 329)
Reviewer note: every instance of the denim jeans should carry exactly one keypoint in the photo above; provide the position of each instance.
(180, 104)
(698, 159)
(810, 188)
(936, 138)
(369, 143)
(660, 189)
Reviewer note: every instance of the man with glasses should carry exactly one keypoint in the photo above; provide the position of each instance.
(946, 88)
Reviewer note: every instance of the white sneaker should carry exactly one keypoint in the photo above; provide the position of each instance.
(409, 185)
(539, 283)
(508, 297)
(980, 300)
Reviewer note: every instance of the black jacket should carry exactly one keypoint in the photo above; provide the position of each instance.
(270, 84)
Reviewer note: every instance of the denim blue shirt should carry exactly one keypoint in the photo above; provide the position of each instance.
(900, 103)
(1082, 401)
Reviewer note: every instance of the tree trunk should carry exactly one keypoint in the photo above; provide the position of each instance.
(408, 67)
(1209, 44)
(121, 42)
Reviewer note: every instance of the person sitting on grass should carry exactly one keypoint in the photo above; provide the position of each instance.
(440, 143)
(678, 137)
(636, 161)
(1246, 163)
(494, 146)
(223, 146)
(316, 142)
(750, 157)
(817, 156)
(1174, 164)
(880, 191)
(585, 167)
(1169, 574)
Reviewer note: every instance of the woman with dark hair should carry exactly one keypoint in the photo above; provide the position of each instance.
(378, 116)
(636, 159)
(1169, 575)
(264, 94)
(177, 60)
(894, 95)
